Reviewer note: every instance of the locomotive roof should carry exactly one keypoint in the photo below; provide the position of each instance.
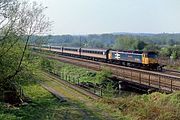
(136, 52)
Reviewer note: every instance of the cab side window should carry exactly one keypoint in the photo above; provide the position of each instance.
(145, 55)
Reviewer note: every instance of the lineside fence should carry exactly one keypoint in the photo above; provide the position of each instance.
(92, 86)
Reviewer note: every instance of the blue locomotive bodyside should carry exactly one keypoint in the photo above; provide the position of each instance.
(125, 56)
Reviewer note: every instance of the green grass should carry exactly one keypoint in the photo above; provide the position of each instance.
(44, 106)
(77, 73)
(82, 74)
(156, 106)
(177, 67)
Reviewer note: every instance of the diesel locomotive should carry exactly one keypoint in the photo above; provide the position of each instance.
(137, 59)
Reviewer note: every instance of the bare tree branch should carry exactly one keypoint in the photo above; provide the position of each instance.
(24, 20)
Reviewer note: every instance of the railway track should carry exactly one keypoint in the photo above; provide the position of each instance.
(80, 92)
(162, 81)
(172, 72)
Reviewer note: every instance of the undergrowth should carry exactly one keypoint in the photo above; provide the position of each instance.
(155, 106)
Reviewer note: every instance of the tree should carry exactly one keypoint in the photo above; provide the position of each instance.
(151, 47)
(174, 55)
(18, 22)
(129, 43)
(165, 52)
(139, 45)
(171, 42)
(124, 43)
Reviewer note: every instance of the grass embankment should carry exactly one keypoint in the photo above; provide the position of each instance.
(155, 106)
(44, 106)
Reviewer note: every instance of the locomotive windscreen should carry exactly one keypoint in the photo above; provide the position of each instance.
(152, 55)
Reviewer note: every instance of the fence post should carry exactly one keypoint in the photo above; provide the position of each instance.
(149, 80)
(69, 78)
(159, 79)
(140, 78)
(131, 75)
(62, 75)
(123, 73)
(101, 90)
(171, 86)
(59, 75)
(73, 80)
(94, 86)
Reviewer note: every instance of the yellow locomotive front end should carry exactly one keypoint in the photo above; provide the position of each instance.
(150, 59)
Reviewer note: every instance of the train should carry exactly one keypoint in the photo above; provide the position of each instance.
(136, 59)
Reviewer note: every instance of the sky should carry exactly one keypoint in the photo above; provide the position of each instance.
(106, 16)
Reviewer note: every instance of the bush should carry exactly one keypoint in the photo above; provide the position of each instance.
(103, 75)
(47, 65)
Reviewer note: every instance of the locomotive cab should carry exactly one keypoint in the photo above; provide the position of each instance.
(150, 59)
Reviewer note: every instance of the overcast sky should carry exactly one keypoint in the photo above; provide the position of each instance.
(106, 16)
